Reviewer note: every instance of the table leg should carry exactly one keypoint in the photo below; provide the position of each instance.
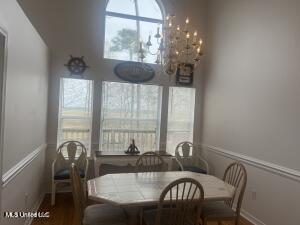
(133, 215)
(96, 168)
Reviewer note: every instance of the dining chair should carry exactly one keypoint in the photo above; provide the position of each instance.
(150, 162)
(235, 175)
(98, 214)
(67, 153)
(179, 204)
(189, 159)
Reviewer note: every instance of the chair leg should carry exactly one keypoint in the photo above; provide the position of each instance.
(237, 221)
(141, 216)
(85, 188)
(53, 194)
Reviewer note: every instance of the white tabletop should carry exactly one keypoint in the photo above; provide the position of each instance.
(142, 189)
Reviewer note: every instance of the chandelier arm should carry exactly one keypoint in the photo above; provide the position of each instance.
(176, 46)
(151, 53)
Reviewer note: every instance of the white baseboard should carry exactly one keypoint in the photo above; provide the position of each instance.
(251, 218)
(35, 208)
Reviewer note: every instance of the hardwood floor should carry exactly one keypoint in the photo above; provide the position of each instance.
(63, 213)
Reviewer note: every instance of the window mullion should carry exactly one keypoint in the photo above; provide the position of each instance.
(164, 119)
(140, 18)
(138, 28)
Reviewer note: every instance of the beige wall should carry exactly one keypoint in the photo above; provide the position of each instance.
(25, 191)
(25, 113)
(251, 101)
(252, 79)
(26, 86)
(277, 200)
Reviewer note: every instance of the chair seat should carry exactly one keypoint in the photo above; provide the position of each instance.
(64, 174)
(150, 217)
(194, 169)
(216, 210)
(104, 214)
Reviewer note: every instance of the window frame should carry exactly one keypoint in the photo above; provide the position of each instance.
(159, 108)
(90, 150)
(96, 125)
(136, 18)
(167, 112)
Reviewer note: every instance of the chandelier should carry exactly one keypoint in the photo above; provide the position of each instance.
(178, 47)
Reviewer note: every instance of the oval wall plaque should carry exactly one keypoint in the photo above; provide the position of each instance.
(134, 72)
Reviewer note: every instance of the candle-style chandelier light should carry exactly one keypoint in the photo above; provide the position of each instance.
(178, 47)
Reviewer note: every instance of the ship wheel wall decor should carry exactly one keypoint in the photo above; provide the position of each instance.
(76, 65)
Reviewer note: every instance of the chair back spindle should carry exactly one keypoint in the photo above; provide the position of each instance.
(150, 162)
(236, 175)
(180, 203)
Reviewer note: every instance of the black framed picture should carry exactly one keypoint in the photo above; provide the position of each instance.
(185, 75)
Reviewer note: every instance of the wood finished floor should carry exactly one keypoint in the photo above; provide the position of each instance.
(63, 213)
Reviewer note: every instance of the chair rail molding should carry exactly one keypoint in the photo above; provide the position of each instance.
(261, 164)
(15, 170)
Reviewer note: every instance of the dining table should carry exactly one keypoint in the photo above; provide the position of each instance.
(134, 191)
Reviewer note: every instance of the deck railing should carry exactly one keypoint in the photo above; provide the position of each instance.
(120, 139)
(115, 139)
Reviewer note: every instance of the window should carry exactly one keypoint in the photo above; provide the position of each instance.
(130, 111)
(128, 22)
(75, 111)
(180, 116)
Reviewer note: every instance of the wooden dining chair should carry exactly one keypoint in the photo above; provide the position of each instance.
(98, 214)
(179, 204)
(150, 162)
(229, 210)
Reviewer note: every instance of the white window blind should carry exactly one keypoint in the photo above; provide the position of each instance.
(130, 111)
(180, 116)
(75, 111)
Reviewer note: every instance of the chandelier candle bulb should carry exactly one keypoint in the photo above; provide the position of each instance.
(188, 35)
(178, 32)
(198, 50)
(149, 41)
(177, 45)
(141, 45)
(187, 21)
(200, 42)
(161, 45)
(195, 38)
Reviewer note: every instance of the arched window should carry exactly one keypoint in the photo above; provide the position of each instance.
(127, 23)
